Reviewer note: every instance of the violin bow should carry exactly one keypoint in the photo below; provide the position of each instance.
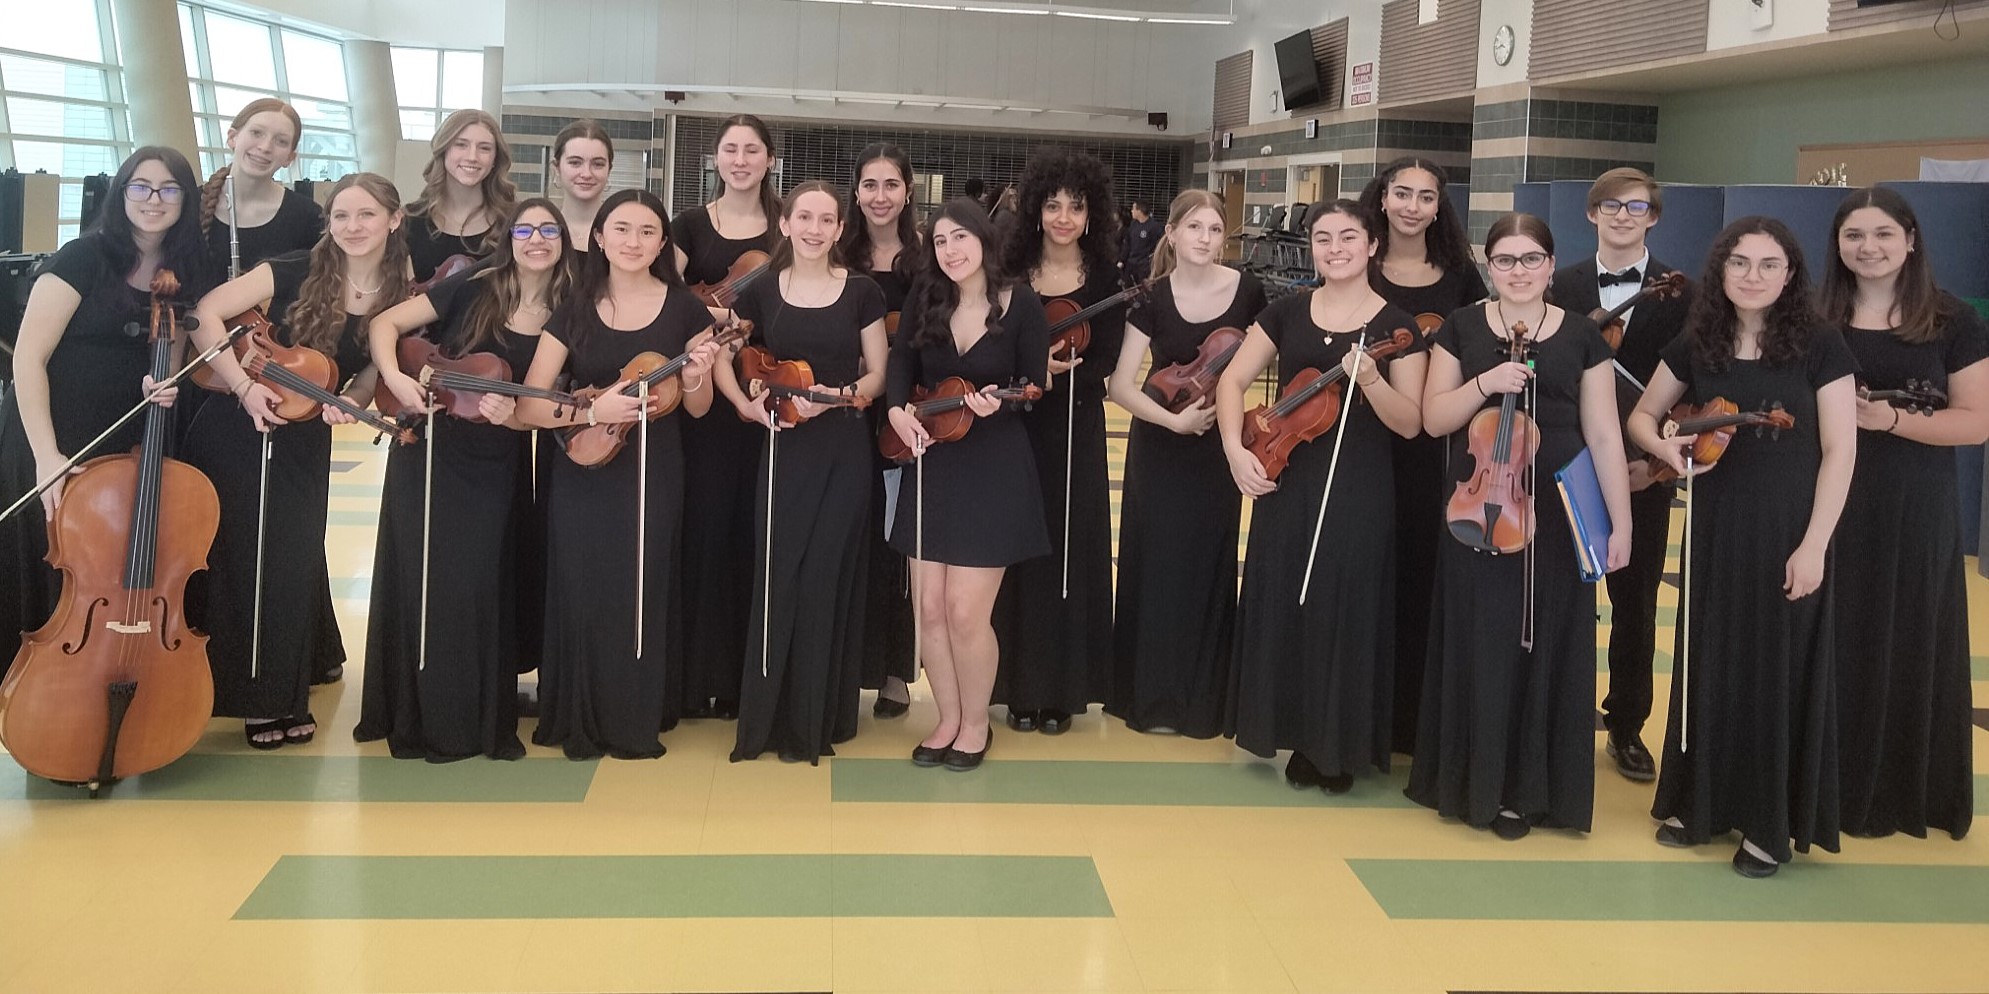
(1332, 468)
(1685, 614)
(766, 597)
(427, 518)
(641, 511)
(1070, 436)
(1520, 333)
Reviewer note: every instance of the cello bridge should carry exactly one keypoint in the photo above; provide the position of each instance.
(141, 628)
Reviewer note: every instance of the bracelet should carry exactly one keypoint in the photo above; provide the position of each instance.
(1895, 422)
(1370, 381)
(1481, 387)
(690, 388)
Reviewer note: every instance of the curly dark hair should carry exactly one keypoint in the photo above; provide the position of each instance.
(935, 295)
(1713, 327)
(1445, 244)
(1052, 170)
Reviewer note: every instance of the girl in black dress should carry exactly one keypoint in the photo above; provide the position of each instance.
(320, 300)
(1751, 745)
(983, 508)
(583, 155)
(719, 453)
(1507, 735)
(880, 237)
(804, 645)
(1314, 677)
(1054, 620)
(1178, 519)
(597, 693)
(76, 371)
(466, 193)
(1424, 267)
(1904, 739)
(444, 686)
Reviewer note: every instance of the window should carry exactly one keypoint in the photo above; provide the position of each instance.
(433, 82)
(62, 108)
(306, 71)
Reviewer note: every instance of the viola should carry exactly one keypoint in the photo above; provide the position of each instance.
(1714, 422)
(456, 385)
(1070, 323)
(1917, 397)
(943, 412)
(1186, 384)
(1492, 510)
(1306, 409)
(750, 265)
(784, 381)
(1610, 321)
(594, 446)
(302, 378)
(116, 683)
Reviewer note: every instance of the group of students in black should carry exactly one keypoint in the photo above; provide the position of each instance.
(735, 562)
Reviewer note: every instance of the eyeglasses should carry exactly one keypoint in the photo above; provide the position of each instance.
(1738, 266)
(1531, 260)
(1637, 208)
(523, 232)
(138, 193)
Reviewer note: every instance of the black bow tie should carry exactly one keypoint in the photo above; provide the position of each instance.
(1630, 275)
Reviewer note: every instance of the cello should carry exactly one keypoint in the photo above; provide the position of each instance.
(1492, 509)
(116, 683)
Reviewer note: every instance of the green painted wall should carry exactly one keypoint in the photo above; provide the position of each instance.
(1749, 133)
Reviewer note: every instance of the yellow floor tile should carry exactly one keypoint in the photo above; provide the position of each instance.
(1203, 954)
(1048, 955)
(924, 954)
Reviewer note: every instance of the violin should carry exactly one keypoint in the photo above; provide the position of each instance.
(449, 267)
(891, 319)
(456, 385)
(1610, 321)
(116, 683)
(1917, 397)
(593, 446)
(1428, 322)
(302, 378)
(1492, 510)
(1306, 409)
(943, 412)
(784, 381)
(1186, 384)
(750, 265)
(1070, 323)
(1714, 422)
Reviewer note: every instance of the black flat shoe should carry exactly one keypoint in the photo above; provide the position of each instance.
(1053, 722)
(725, 710)
(1022, 721)
(930, 756)
(329, 676)
(1632, 759)
(1754, 868)
(961, 762)
(1511, 828)
(701, 709)
(1673, 837)
(1300, 773)
(888, 708)
(1337, 784)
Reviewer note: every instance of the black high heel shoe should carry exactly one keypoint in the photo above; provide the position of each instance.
(961, 762)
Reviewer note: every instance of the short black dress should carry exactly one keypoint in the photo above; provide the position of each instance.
(429, 248)
(983, 502)
(1316, 678)
(1178, 524)
(1056, 650)
(596, 694)
(223, 443)
(887, 601)
(1501, 726)
(802, 671)
(1761, 674)
(1905, 749)
(464, 702)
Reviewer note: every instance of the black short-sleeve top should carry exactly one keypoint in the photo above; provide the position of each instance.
(1753, 384)
(1456, 288)
(1303, 344)
(1175, 339)
(596, 353)
(1558, 361)
(708, 254)
(895, 287)
(1019, 350)
(828, 338)
(429, 248)
(288, 271)
(297, 225)
(454, 299)
(1886, 362)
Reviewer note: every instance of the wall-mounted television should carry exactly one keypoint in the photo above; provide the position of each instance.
(1298, 73)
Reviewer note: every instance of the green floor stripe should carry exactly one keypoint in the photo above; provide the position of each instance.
(1982, 793)
(364, 519)
(351, 588)
(1823, 889)
(777, 886)
(355, 490)
(223, 777)
(1978, 667)
(1259, 785)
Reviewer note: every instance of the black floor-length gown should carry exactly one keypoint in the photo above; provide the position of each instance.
(1761, 670)
(1501, 726)
(720, 460)
(887, 599)
(1421, 489)
(464, 701)
(223, 443)
(1315, 678)
(800, 684)
(1905, 748)
(597, 694)
(1174, 623)
(1056, 649)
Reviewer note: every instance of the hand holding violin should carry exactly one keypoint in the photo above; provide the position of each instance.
(1060, 362)
(1248, 472)
(1360, 368)
(1876, 415)
(613, 407)
(407, 390)
(333, 415)
(809, 408)
(983, 402)
(1195, 420)
(1506, 377)
(1671, 451)
(905, 422)
(497, 408)
(259, 402)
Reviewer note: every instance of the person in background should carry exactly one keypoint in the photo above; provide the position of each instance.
(1141, 238)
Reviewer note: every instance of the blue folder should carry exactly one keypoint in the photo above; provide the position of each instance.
(1588, 516)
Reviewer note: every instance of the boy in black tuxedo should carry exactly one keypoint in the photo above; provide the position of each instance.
(1624, 204)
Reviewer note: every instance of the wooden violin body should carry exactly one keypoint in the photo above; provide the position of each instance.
(1492, 509)
(1186, 384)
(1073, 337)
(258, 349)
(1307, 408)
(1428, 322)
(422, 359)
(745, 269)
(785, 381)
(1670, 284)
(944, 413)
(595, 445)
(1714, 423)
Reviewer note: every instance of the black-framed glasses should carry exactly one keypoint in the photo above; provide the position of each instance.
(138, 193)
(548, 230)
(1637, 208)
(1531, 260)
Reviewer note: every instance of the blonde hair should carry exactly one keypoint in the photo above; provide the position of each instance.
(1185, 203)
(317, 317)
(500, 194)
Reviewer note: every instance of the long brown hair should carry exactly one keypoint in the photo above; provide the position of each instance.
(317, 317)
(1922, 310)
(490, 311)
(1185, 203)
(769, 196)
(1713, 327)
(856, 236)
(590, 279)
(210, 192)
(500, 194)
(782, 256)
(935, 296)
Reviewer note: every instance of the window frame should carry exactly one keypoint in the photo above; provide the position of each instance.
(211, 125)
(434, 104)
(115, 104)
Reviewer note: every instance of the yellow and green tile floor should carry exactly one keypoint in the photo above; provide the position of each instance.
(1102, 860)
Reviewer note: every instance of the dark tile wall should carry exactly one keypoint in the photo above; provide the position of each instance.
(1576, 120)
(549, 125)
